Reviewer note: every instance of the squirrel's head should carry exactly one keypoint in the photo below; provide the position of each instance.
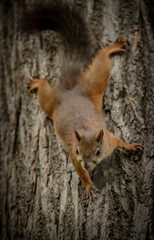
(89, 149)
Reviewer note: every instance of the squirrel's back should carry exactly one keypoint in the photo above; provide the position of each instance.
(84, 114)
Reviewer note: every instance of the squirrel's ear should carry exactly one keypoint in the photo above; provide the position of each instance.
(99, 136)
(78, 135)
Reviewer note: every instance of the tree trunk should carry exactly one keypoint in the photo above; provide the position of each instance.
(41, 196)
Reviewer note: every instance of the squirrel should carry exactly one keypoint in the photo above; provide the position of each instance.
(75, 105)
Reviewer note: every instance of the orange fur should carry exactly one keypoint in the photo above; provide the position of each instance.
(76, 112)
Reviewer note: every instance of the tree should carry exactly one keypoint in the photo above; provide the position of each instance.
(41, 196)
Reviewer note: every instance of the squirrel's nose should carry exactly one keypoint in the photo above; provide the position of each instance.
(86, 165)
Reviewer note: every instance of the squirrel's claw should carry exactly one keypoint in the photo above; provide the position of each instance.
(122, 40)
(29, 83)
(91, 191)
(136, 147)
(32, 83)
(122, 43)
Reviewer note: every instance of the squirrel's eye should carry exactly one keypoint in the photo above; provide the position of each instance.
(77, 151)
(98, 151)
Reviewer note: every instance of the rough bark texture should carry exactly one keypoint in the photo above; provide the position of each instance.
(41, 196)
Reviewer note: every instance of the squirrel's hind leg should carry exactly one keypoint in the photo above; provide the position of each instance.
(118, 46)
(95, 78)
(46, 94)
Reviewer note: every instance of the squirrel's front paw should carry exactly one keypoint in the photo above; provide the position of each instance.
(91, 191)
(136, 147)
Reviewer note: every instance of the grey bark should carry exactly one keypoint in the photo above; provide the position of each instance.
(41, 196)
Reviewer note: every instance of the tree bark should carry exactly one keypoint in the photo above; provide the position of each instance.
(41, 196)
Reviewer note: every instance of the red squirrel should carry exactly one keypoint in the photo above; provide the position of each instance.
(75, 105)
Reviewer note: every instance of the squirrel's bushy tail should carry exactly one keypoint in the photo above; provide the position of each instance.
(64, 19)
